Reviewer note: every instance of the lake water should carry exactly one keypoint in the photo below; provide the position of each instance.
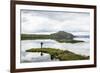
(82, 48)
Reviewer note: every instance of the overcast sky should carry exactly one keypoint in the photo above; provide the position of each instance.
(35, 21)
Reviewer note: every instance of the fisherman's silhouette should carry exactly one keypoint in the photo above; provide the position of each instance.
(41, 44)
(41, 48)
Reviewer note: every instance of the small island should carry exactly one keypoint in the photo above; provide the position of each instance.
(60, 36)
(59, 54)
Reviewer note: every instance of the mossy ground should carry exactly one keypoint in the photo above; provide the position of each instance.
(59, 54)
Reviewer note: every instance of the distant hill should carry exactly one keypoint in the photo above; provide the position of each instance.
(58, 35)
(62, 35)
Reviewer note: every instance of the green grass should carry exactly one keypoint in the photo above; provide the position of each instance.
(35, 37)
(59, 54)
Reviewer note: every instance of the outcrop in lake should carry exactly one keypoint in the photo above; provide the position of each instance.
(62, 35)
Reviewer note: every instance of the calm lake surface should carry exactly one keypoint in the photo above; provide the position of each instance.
(82, 48)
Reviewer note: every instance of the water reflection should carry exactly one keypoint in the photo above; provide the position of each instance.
(78, 48)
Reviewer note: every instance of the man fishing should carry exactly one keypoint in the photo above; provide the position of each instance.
(41, 48)
(41, 44)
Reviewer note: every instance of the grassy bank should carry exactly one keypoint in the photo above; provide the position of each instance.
(35, 37)
(59, 54)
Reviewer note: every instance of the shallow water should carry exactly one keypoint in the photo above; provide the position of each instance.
(82, 48)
